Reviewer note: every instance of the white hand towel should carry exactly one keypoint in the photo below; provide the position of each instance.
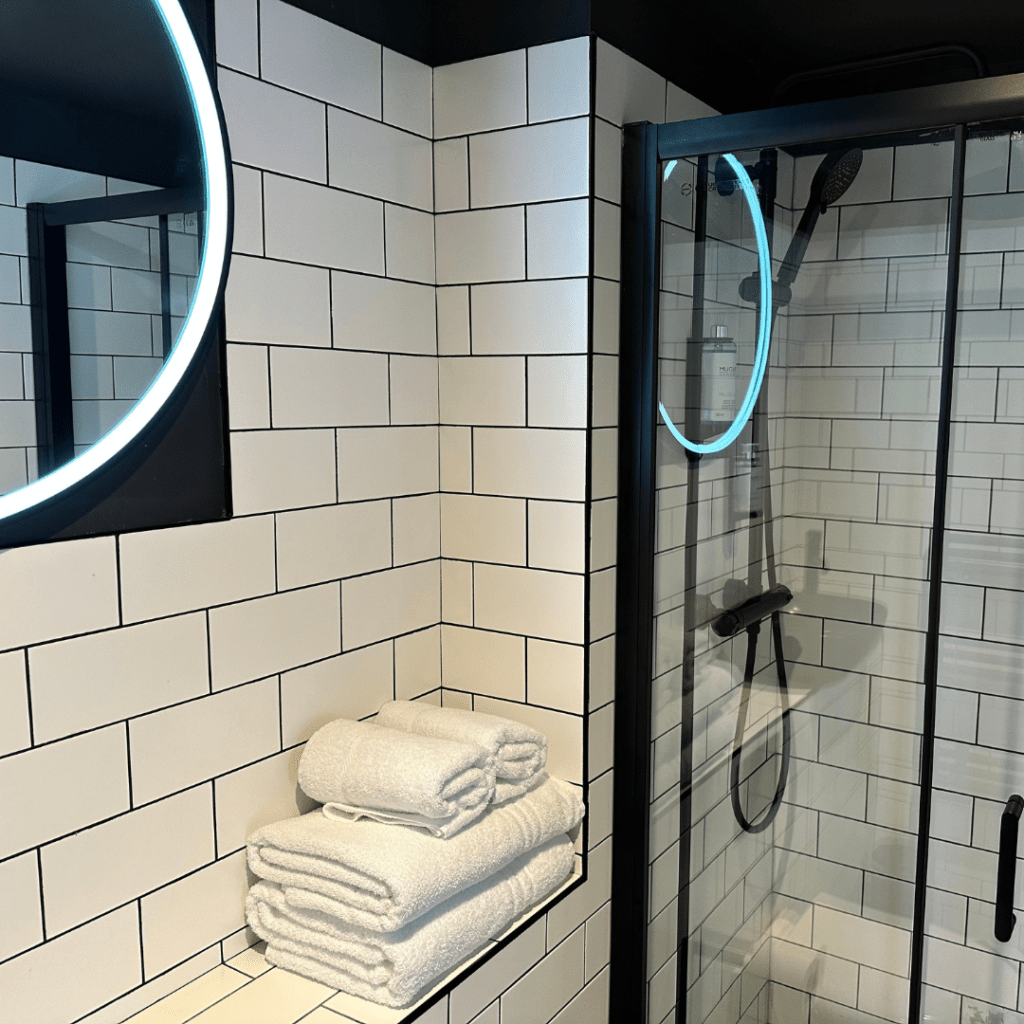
(381, 877)
(361, 765)
(393, 968)
(519, 751)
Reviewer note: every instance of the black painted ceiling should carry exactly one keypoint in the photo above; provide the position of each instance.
(732, 54)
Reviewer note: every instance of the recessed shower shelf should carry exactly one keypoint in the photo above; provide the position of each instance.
(248, 988)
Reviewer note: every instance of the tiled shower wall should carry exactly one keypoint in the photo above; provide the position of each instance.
(157, 687)
(861, 397)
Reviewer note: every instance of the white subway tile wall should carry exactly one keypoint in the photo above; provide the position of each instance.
(412, 504)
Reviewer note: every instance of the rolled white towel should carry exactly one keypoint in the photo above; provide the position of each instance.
(361, 769)
(393, 968)
(382, 878)
(519, 752)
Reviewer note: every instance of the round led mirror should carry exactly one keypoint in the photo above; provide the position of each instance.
(114, 230)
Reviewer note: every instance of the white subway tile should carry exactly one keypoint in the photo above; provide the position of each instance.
(557, 391)
(19, 903)
(407, 93)
(488, 392)
(258, 795)
(387, 462)
(529, 165)
(118, 674)
(387, 603)
(414, 389)
(332, 388)
(456, 457)
(272, 128)
(168, 571)
(604, 463)
(970, 972)
(7, 181)
(256, 638)
(287, 996)
(457, 592)
(382, 314)
(626, 89)
(608, 162)
(981, 931)
(607, 228)
(410, 244)
(993, 222)
(308, 223)
(210, 982)
(585, 900)
(326, 543)
(480, 245)
(606, 317)
(314, 56)
(417, 529)
(557, 535)
(923, 170)
(479, 95)
(554, 675)
(530, 318)
(277, 302)
(248, 387)
(453, 321)
(557, 239)
(376, 160)
(121, 859)
(869, 748)
(529, 601)
(417, 663)
(961, 869)
(89, 771)
(481, 662)
(180, 746)
(192, 913)
(248, 230)
(490, 979)
(348, 686)
(45, 183)
(558, 79)
(1004, 615)
(983, 561)
(853, 938)
(681, 106)
(814, 972)
(56, 590)
(94, 965)
(529, 463)
(484, 529)
(15, 731)
(913, 228)
(280, 469)
(451, 175)
(238, 35)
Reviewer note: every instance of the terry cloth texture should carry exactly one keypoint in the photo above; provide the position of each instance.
(394, 967)
(519, 752)
(382, 877)
(364, 766)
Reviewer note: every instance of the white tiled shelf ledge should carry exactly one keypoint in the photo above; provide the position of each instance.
(248, 988)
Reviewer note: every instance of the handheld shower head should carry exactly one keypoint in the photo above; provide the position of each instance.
(835, 175)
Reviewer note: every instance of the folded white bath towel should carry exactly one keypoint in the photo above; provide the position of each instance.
(393, 968)
(381, 877)
(519, 751)
(357, 768)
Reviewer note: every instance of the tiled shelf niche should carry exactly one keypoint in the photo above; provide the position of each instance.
(248, 988)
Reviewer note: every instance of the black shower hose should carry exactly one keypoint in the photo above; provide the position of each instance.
(741, 723)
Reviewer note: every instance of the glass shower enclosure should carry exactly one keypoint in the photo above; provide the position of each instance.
(820, 662)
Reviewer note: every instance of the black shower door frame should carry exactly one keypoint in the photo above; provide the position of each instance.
(911, 111)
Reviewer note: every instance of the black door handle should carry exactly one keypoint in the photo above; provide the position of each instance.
(1005, 877)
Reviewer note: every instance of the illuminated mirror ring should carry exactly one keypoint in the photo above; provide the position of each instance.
(763, 328)
(211, 271)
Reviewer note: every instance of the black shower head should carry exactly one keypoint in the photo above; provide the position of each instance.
(835, 175)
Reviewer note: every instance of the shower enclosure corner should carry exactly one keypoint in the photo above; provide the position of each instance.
(820, 621)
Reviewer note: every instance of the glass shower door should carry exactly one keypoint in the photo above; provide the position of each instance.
(784, 855)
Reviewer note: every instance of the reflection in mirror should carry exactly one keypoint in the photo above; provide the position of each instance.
(102, 221)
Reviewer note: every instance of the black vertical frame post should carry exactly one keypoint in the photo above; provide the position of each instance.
(165, 286)
(692, 421)
(638, 320)
(931, 642)
(51, 340)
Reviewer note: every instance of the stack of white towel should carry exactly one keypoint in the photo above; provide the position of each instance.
(349, 899)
